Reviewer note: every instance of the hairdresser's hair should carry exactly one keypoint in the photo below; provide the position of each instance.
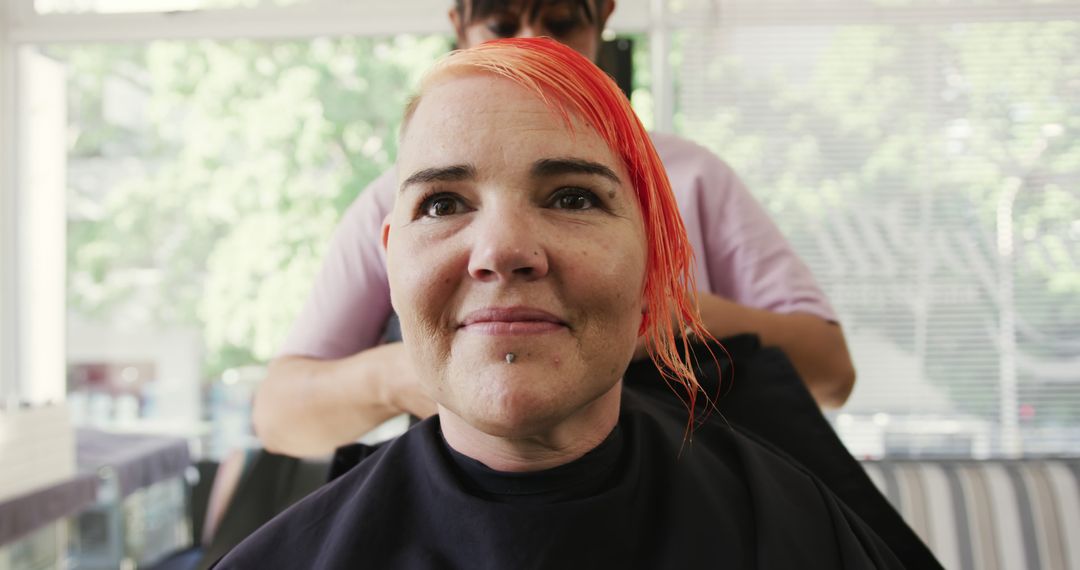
(472, 10)
(570, 84)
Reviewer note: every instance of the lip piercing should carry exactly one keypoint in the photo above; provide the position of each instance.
(510, 356)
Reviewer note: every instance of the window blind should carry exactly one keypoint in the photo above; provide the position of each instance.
(924, 160)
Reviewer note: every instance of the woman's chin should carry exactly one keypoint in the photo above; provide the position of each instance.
(512, 401)
(515, 403)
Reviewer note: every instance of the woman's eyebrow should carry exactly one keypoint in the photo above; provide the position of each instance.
(555, 166)
(453, 173)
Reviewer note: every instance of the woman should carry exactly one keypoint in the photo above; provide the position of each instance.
(533, 240)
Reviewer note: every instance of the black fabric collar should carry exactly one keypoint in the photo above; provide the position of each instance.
(583, 477)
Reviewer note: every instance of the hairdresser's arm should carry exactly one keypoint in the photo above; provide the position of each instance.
(308, 407)
(341, 385)
(815, 346)
(761, 285)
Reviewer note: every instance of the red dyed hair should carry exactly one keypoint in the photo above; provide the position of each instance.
(571, 84)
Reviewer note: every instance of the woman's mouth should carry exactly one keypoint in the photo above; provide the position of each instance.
(510, 321)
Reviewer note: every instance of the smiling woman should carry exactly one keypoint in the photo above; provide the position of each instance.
(551, 215)
(530, 242)
(533, 236)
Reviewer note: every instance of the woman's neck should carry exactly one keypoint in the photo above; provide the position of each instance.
(549, 447)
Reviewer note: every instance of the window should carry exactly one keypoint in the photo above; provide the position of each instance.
(923, 159)
(922, 156)
(191, 187)
(203, 182)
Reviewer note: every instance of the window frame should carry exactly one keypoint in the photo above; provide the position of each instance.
(778, 13)
(8, 206)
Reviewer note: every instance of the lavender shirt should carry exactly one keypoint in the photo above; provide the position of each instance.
(740, 255)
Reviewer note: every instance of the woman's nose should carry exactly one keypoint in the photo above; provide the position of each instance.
(506, 247)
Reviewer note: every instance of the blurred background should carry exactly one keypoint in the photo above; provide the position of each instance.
(172, 171)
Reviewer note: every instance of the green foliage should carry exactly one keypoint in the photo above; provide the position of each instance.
(247, 153)
(209, 201)
(897, 126)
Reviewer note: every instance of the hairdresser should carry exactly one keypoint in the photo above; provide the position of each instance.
(333, 382)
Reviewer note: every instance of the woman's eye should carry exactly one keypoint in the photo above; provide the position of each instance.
(575, 199)
(439, 206)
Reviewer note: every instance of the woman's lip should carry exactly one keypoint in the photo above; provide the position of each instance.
(511, 321)
(512, 328)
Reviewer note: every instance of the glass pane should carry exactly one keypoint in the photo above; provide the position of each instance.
(204, 180)
(929, 175)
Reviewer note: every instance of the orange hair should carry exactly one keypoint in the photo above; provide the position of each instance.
(571, 84)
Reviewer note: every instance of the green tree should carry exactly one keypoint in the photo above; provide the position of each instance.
(908, 130)
(247, 153)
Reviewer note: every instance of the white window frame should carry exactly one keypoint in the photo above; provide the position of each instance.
(8, 206)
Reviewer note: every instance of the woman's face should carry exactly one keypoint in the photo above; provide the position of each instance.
(512, 234)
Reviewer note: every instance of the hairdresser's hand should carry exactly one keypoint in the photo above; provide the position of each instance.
(400, 387)
(307, 407)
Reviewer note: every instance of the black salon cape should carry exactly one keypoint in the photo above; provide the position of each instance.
(723, 500)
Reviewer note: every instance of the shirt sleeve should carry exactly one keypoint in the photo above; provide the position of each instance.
(350, 301)
(745, 256)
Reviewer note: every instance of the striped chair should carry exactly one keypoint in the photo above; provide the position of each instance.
(989, 514)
